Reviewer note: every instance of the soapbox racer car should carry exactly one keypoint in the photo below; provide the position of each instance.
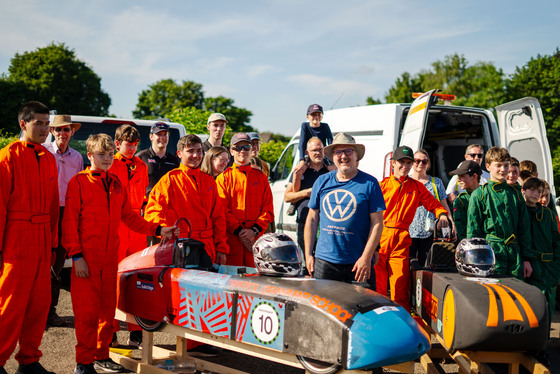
(496, 313)
(329, 325)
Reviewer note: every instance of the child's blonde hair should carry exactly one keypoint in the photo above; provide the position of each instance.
(100, 143)
(497, 154)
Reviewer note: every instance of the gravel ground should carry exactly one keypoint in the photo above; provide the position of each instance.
(58, 349)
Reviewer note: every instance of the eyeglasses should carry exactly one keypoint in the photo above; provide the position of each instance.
(240, 148)
(65, 129)
(419, 161)
(474, 155)
(347, 152)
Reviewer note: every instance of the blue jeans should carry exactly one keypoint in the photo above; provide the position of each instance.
(340, 272)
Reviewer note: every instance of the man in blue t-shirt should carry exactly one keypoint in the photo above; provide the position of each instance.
(349, 205)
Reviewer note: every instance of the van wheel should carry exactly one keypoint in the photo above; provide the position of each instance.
(149, 325)
(318, 367)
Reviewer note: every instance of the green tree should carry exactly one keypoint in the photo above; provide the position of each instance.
(479, 85)
(56, 77)
(271, 151)
(540, 78)
(165, 96)
(195, 120)
(12, 96)
(238, 118)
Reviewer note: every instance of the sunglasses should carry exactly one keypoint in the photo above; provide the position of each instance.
(65, 129)
(240, 148)
(423, 162)
(474, 155)
(347, 152)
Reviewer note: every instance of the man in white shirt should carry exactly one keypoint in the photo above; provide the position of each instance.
(69, 162)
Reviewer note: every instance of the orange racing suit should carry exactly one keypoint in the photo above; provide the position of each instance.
(402, 197)
(248, 204)
(96, 203)
(28, 230)
(190, 193)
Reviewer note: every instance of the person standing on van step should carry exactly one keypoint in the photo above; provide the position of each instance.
(497, 214)
(216, 126)
(247, 199)
(403, 195)
(474, 152)
(29, 209)
(133, 174)
(421, 231)
(348, 205)
(158, 160)
(69, 162)
(300, 183)
(468, 173)
(313, 128)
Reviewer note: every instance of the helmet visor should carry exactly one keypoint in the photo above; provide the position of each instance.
(286, 253)
(479, 256)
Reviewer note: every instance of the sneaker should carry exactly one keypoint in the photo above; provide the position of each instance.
(205, 350)
(84, 369)
(114, 341)
(54, 320)
(2, 370)
(108, 366)
(135, 339)
(34, 368)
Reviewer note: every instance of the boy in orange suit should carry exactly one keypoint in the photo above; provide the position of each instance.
(28, 230)
(247, 200)
(402, 196)
(133, 174)
(96, 202)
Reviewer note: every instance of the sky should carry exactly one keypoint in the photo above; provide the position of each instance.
(275, 58)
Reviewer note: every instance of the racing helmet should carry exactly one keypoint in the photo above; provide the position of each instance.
(277, 255)
(475, 257)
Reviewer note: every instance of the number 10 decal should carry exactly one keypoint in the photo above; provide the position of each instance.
(265, 322)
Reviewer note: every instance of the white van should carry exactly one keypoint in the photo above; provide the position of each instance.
(108, 125)
(443, 130)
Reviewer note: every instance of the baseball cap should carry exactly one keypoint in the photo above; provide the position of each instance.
(216, 117)
(314, 108)
(240, 137)
(403, 152)
(254, 136)
(158, 127)
(467, 167)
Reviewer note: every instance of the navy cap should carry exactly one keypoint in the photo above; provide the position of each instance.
(314, 108)
(254, 136)
(159, 126)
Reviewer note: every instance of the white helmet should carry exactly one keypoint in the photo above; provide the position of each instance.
(277, 255)
(475, 257)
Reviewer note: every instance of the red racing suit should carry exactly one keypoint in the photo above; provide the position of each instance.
(402, 198)
(28, 230)
(133, 174)
(247, 199)
(190, 193)
(96, 203)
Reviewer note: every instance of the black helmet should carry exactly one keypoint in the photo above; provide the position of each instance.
(475, 257)
(277, 255)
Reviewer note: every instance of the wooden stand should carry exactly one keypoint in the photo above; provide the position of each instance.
(473, 362)
(151, 352)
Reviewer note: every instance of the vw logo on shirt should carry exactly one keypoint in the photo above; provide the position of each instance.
(339, 205)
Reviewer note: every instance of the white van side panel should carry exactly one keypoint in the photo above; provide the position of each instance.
(523, 133)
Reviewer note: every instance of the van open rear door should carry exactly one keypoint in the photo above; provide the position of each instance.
(415, 126)
(523, 133)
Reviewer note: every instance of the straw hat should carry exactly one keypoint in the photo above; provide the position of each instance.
(63, 120)
(345, 139)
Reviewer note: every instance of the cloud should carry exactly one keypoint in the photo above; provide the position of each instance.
(330, 85)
